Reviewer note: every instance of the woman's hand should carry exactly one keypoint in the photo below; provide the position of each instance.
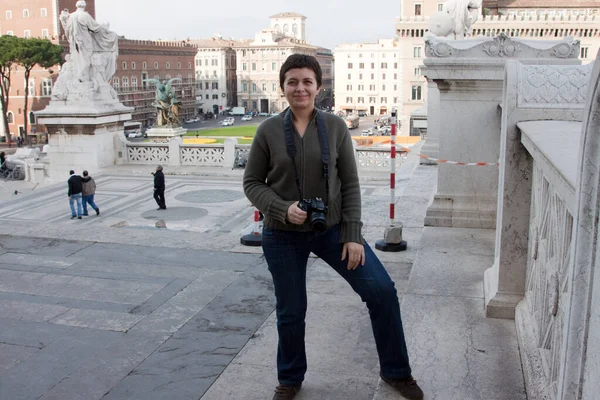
(355, 253)
(295, 215)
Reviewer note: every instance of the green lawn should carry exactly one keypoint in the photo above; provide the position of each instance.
(246, 130)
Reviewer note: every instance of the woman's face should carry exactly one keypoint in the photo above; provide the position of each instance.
(300, 88)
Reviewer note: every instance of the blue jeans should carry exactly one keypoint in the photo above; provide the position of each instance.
(89, 199)
(287, 254)
(72, 199)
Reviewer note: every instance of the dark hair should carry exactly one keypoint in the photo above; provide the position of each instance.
(85, 173)
(297, 61)
(71, 172)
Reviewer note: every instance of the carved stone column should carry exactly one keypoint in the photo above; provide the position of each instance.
(431, 147)
(469, 75)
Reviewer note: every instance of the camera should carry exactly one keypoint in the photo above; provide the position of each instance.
(317, 211)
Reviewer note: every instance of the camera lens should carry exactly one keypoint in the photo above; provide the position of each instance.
(318, 221)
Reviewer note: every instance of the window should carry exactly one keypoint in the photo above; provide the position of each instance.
(395, 88)
(372, 76)
(348, 99)
(383, 76)
(168, 65)
(155, 65)
(417, 10)
(189, 65)
(416, 92)
(10, 33)
(254, 104)
(274, 87)
(253, 66)
(25, 13)
(264, 67)
(133, 65)
(254, 87)
(395, 100)
(383, 65)
(32, 118)
(244, 104)
(372, 65)
(349, 65)
(46, 87)
(207, 96)
(383, 100)
(215, 97)
(417, 71)
(440, 6)
(116, 83)
(264, 87)
(45, 33)
(584, 52)
(178, 65)
(371, 87)
(244, 67)
(361, 88)
(361, 66)
(134, 82)
(11, 117)
(372, 100)
(359, 76)
(361, 100)
(349, 76)
(395, 76)
(44, 12)
(417, 52)
(8, 14)
(244, 87)
(206, 86)
(144, 65)
(215, 85)
(383, 88)
(214, 62)
(395, 65)
(31, 87)
(27, 34)
(125, 82)
(348, 87)
(273, 66)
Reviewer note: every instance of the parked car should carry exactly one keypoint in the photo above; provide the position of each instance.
(274, 113)
(247, 118)
(367, 132)
(362, 113)
(136, 134)
(228, 121)
(263, 114)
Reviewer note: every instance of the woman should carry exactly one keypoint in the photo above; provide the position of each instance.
(301, 174)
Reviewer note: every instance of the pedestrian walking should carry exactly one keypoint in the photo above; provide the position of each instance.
(75, 190)
(302, 175)
(88, 192)
(159, 188)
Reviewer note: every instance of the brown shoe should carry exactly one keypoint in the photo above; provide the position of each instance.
(286, 392)
(406, 386)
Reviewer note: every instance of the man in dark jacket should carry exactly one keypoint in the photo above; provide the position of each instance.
(159, 188)
(75, 189)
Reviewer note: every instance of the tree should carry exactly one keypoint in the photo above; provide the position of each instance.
(32, 52)
(8, 57)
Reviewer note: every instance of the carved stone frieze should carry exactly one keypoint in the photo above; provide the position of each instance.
(501, 46)
(541, 86)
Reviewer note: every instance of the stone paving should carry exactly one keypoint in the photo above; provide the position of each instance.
(146, 304)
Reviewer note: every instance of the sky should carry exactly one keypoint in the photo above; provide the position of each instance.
(328, 22)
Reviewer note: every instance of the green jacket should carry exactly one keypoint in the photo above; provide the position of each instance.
(270, 183)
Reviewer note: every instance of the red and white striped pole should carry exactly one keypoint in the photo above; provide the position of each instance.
(255, 237)
(392, 240)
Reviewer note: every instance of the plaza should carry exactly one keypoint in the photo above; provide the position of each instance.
(134, 304)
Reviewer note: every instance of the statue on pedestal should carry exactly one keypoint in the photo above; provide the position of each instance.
(92, 58)
(166, 103)
(456, 19)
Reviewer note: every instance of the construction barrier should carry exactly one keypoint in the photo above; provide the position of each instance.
(253, 239)
(441, 160)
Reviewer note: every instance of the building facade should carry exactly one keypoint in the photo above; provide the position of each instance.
(531, 19)
(259, 61)
(215, 69)
(140, 60)
(367, 76)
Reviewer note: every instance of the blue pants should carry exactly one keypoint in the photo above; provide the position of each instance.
(89, 199)
(287, 254)
(75, 198)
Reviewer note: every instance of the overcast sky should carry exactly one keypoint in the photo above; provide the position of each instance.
(328, 22)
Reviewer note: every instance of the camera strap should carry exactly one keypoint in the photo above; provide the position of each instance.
(288, 129)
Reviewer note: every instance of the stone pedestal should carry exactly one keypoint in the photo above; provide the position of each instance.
(82, 136)
(469, 75)
(431, 147)
(163, 134)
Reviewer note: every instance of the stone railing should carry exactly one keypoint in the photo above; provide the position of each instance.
(545, 234)
(231, 155)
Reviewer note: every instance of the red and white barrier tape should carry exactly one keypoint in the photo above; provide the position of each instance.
(441, 160)
(393, 167)
(256, 223)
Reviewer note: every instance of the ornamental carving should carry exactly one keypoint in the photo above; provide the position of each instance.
(558, 85)
(502, 46)
(148, 154)
(209, 156)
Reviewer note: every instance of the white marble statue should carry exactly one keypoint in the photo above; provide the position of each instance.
(456, 19)
(92, 59)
